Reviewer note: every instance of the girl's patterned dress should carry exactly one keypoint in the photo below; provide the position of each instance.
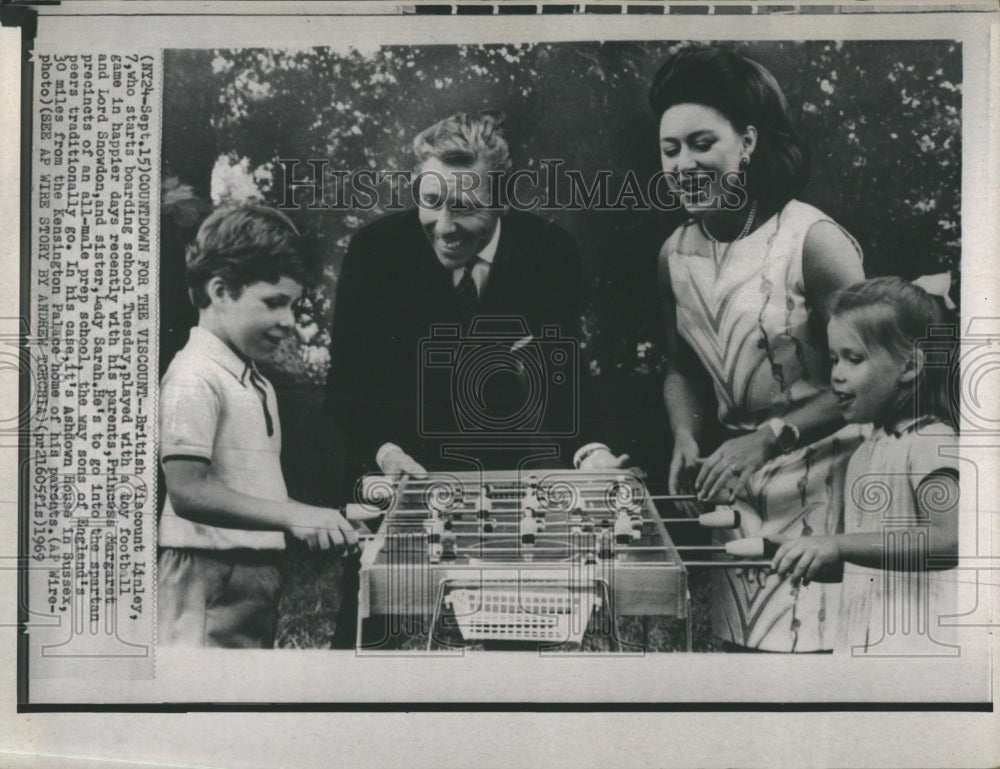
(892, 612)
(742, 309)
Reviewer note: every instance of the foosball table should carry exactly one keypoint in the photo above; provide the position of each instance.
(527, 556)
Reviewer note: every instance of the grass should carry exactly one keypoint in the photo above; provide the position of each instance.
(308, 613)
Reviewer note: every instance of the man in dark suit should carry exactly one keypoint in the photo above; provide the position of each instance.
(407, 393)
(455, 331)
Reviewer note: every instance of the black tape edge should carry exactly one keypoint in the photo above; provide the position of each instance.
(27, 20)
(20, 16)
(515, 707)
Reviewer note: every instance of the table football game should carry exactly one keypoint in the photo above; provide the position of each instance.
(527, 556)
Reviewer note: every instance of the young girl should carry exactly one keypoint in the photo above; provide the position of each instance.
(901, 491)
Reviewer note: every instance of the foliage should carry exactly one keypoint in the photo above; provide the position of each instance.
(882, 118)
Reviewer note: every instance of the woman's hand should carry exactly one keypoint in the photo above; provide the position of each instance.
(805, 558)
(683, 466)
(733, 463)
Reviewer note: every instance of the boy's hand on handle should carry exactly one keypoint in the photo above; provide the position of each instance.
(395, 463)
(806, 558)
(684, 466)
(323, 528)
(733, 463)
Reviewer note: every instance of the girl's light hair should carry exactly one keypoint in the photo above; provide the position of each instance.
(906, 322)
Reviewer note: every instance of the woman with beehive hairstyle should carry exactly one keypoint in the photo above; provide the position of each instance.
(744, 284)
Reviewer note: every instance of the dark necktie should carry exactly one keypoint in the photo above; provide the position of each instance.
(258, 384)
(467, 295)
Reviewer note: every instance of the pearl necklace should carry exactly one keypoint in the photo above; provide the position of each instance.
(743, 233)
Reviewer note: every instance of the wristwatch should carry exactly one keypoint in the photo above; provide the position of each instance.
(785, 433)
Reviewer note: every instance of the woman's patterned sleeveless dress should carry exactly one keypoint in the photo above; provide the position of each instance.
(742, 309)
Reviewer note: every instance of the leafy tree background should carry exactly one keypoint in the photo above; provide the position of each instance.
(882, 119)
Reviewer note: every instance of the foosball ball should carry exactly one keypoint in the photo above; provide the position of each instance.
(529, 556)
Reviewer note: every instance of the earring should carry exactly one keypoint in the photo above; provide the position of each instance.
(744, 161)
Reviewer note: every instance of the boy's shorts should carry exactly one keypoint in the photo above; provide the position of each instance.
(218, 598)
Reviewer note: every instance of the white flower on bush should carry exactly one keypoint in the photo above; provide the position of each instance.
(263, 177)
(219, 64)
(307, 332)
(316, 357)
(233, 183)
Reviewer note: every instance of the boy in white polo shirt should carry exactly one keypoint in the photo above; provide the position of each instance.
(227, 511)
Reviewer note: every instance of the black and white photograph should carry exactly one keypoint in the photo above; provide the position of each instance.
(405, 358)
(684, 370)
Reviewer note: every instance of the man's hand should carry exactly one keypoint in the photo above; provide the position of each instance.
(394, 463)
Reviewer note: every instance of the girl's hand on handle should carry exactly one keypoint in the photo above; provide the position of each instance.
(805, 558)
(733, 463)
(683, 466)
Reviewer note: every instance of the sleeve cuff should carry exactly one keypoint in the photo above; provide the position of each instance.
(383, 453)
(585, 451)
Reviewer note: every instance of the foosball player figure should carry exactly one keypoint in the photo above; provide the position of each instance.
(458, 504)
(605, 544)
(489, 525)
(530, 501)
(484, 505)
(448, 546)
(435, 529)
(624, 533)
(529, 530)
(538, 513)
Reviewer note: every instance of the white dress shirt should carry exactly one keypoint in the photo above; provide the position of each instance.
(481, 263)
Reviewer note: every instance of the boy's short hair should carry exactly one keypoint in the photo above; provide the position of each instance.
(242, 245)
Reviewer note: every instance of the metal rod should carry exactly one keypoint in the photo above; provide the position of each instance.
(728, 564)
(523, 548)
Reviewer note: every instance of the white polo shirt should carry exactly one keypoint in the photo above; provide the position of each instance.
(210, 410)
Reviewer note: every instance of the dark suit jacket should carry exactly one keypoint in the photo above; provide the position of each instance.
(389, 381)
